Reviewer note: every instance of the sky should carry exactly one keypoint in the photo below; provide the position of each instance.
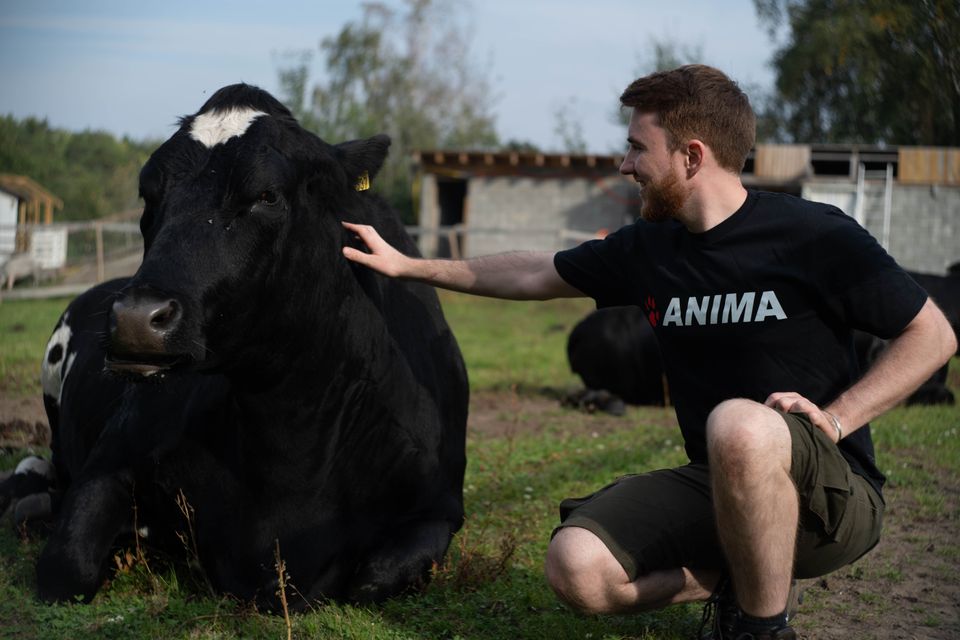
(133, 68)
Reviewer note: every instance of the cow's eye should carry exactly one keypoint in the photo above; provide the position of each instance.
(267, 198)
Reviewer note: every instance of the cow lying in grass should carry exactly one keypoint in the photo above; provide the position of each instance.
(285, 398)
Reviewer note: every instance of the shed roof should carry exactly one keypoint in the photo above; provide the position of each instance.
(494, 163)
(36, 203)
(26, 189)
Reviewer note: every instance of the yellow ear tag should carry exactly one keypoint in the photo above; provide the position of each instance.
(363, 182)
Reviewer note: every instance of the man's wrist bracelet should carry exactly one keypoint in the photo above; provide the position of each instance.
(836, 424)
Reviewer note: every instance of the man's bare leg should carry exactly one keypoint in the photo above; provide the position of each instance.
(755, 501)
(586, 576)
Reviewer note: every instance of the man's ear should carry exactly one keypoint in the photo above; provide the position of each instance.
(363, 157)
(695, 154)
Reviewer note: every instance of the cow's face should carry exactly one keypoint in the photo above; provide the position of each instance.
(240, 222)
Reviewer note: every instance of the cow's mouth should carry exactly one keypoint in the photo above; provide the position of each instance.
(143, 366)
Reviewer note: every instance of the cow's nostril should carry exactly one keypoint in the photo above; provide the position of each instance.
(140, 324)
(165, 316)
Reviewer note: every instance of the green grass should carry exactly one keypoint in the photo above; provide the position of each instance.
(492, 585)
(25, 327)
(509, 344)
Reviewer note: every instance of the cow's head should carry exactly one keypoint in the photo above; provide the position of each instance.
(241, 235)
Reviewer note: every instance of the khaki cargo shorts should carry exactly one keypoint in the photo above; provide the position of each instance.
(664, 519)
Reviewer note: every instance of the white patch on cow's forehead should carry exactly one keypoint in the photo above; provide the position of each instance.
(216, 127)
(51, 371)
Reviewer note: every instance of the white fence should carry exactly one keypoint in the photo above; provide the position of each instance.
(63, 259)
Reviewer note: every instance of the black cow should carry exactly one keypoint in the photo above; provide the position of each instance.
(933, 391)
(287, 399)
(614, 350)
(945, 291)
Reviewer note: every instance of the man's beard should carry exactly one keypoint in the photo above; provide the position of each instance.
(662, 200)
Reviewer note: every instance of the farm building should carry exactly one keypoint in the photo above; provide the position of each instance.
(26, 248)
(22, 202)
(475, 203)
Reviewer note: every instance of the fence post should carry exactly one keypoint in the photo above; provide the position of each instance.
(100, 268)
(454, 243)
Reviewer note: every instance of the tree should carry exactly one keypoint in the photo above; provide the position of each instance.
(567, 128)
(91, 171)
(877, 71)
(406, 74)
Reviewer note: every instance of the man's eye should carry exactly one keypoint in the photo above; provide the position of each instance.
(267, 197)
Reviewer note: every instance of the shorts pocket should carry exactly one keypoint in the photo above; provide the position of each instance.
(830, 495)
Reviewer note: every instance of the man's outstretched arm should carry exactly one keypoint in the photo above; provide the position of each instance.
(526, 275)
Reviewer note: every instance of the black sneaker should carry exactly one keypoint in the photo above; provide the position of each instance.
(721, 614)
(783, 633)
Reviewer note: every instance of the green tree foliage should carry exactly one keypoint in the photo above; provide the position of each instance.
(874, 71)
(92, 172)
(408, 74)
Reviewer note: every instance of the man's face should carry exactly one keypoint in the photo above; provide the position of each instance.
(655, 167)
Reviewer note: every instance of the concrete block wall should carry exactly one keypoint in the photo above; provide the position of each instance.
(536, 210)
(924, 220)
(925, 227)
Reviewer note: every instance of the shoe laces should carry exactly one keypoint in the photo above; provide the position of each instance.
(719, 612)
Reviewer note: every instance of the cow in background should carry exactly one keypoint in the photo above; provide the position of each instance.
(262, 394)
(934, 391)
(945, 291)
(615, 353)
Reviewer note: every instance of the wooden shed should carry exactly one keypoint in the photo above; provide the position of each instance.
(27, 203)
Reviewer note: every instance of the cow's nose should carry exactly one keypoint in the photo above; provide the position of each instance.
(140, 325)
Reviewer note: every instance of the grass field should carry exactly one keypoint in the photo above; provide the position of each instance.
(492, 585)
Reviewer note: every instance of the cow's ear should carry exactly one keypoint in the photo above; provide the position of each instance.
(363, 157)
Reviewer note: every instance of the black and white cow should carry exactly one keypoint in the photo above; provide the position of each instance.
(288, 398)
(614, 351)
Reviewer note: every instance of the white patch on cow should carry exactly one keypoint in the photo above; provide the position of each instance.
(216, 127)
(66, 372)
(36, 465)
(51, 373)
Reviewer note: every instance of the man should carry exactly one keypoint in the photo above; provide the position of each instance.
(753, 297)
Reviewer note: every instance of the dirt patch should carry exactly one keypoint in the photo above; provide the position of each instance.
(500, 413)
(23, 422)
(906, 588)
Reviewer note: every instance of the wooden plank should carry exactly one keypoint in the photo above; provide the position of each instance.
(929, 165)
(782, 161)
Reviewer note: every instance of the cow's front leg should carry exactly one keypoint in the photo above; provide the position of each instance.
(74, 561)
(403, 561)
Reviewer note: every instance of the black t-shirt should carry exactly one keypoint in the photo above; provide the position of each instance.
(765, 301)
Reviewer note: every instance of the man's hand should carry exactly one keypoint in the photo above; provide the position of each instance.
(791, 401)
(382, 257)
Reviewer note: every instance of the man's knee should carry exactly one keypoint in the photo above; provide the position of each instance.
(739, 430)
(746, 440)
(582, 571)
